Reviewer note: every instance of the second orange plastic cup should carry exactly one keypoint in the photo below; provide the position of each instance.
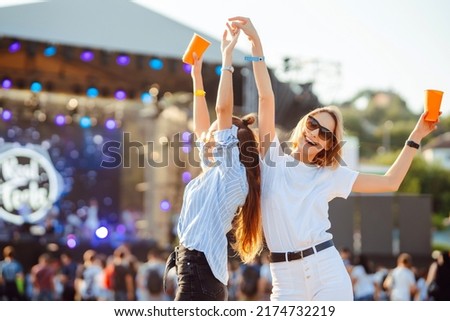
(198, 45)
(432, 103)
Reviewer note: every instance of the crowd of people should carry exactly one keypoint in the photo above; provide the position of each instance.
(122, 277)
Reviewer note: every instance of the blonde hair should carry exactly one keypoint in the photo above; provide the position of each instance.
(333, 154)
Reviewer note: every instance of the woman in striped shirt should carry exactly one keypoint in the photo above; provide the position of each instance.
(224, 197)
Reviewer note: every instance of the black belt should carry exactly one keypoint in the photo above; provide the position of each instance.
(290, 256)
(170, 263)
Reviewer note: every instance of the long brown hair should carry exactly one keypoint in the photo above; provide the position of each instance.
(248, 240)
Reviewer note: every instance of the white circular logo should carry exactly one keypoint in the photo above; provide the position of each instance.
(29, 184)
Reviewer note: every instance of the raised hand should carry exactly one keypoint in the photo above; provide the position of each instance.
(244, 24)
(228, 45)
(196, 70)
(423, 127)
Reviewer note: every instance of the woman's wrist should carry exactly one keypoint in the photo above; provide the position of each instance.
(415, 137)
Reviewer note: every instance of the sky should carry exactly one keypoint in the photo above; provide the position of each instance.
(346, 45)
(343, 45)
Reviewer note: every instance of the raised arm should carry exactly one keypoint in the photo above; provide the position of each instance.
(266, 98)
(390, 182)
(224, 103)
(201, 113)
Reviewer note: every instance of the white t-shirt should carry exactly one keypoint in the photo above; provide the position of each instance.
(364, 284)
(402, 281)
(295, 199)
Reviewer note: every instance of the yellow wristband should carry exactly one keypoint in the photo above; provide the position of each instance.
(200, 92)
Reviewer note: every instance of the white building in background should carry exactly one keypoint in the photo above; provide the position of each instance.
(438, 150)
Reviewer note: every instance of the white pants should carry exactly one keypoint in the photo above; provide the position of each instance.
(318, 277)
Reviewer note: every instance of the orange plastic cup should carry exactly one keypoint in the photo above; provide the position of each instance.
(198, 45)
(432, 103)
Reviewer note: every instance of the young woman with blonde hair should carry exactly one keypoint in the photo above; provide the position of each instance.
(297, 186)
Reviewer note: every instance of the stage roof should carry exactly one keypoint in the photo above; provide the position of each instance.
(113, 25)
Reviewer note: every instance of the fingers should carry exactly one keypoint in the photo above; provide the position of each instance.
(197, 60)
(231, 29)
(224, 35)
(240, 18)
(237, 25)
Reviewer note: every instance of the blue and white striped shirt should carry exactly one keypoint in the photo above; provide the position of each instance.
(210, 202)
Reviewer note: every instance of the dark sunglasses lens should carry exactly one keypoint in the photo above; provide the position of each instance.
(325, 134)
(311, 123)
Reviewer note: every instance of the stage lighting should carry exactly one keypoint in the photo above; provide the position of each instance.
(110, 124)
(102, 232)
(36, 86)
(6, 83)
(87, 55)
(60, 120)
(14, 46)
(120, 94)
(6, 115)
(186, 177)
(123, 60)
(92, 92)
(146, 98)
(85, 122)
(187, 68)
(50, 51)
(71, 243)
(165, 205)
(218, 70)
(156, 64)
(185, 137)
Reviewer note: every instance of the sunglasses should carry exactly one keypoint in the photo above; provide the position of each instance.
(324, 133)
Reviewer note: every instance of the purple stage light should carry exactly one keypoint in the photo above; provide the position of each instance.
(6, 83)
(185, 137)
(120, 94)
(186, 177)
(165, 205)
(60, 120)
(123, 60)
(6, 115)
(121, 229)
(87, 55)
(186, 149)
(71, 243)
(14, 46)
(187, 68)
(110, 124)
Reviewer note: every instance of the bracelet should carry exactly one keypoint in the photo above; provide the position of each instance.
(412, 144)
(200, 92)
(254, 58)
(229, 68)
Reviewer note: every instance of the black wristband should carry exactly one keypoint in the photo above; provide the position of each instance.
(412, 144)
